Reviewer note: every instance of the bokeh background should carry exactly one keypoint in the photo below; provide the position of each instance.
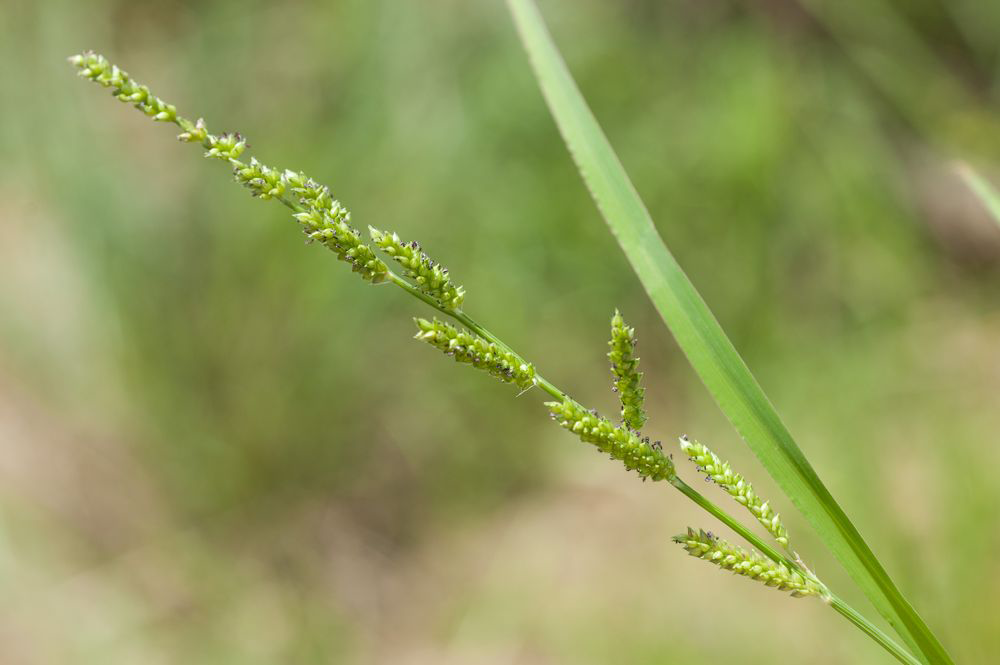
(219, 446)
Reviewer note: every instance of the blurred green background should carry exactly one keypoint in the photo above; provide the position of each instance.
(218, 446)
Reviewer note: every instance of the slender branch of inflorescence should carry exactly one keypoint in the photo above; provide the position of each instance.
(705, 545)
(326, 221)
(721, 473)
(625, 369)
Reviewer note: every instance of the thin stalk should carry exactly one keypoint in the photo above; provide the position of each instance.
(872, 631)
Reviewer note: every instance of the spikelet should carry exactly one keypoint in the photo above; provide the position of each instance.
(621, 443)
(723, 475)
(624, 367)
(324, 220)
(468, 348)
(431, 278)
(750, 564)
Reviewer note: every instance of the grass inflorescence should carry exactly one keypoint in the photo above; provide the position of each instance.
(326, 221)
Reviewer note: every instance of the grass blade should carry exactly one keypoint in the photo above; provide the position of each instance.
(701, 338)
(983, 190)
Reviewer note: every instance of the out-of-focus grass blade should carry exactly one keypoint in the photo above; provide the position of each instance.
(701, 338)
(981, 188)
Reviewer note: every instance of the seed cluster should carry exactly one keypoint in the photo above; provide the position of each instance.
(621, 443)
(327, 222)
(723, 475)
(711, 548)
(431, 277)
(472, 349)
(624, 367)
(97, 68)
(324, 219)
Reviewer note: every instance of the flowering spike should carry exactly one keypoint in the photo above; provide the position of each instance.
(737, 486)
(431, 278)
(96, 68)
(620, 443)
(624, 367)
(748, 563)
(476, 351)
(325, 220)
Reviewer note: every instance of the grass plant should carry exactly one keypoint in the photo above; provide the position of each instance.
(325, 221)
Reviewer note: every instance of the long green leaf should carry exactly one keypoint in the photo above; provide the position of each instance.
(982, 189)
(701, 338)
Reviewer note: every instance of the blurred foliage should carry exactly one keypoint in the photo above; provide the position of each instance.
(218, 446)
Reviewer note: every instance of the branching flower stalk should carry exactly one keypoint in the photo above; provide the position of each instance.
(326, 221)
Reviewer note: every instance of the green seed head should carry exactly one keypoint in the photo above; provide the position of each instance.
(621, 443)
(750, 564)
(431, 278)
(96, 67)
(625, 368)
(324, 219)
(723, 475)
(468, 348)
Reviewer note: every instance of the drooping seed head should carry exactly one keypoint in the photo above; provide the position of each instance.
(704, 545)
(620, 443)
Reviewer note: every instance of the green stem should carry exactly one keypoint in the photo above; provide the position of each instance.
(872, 631)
